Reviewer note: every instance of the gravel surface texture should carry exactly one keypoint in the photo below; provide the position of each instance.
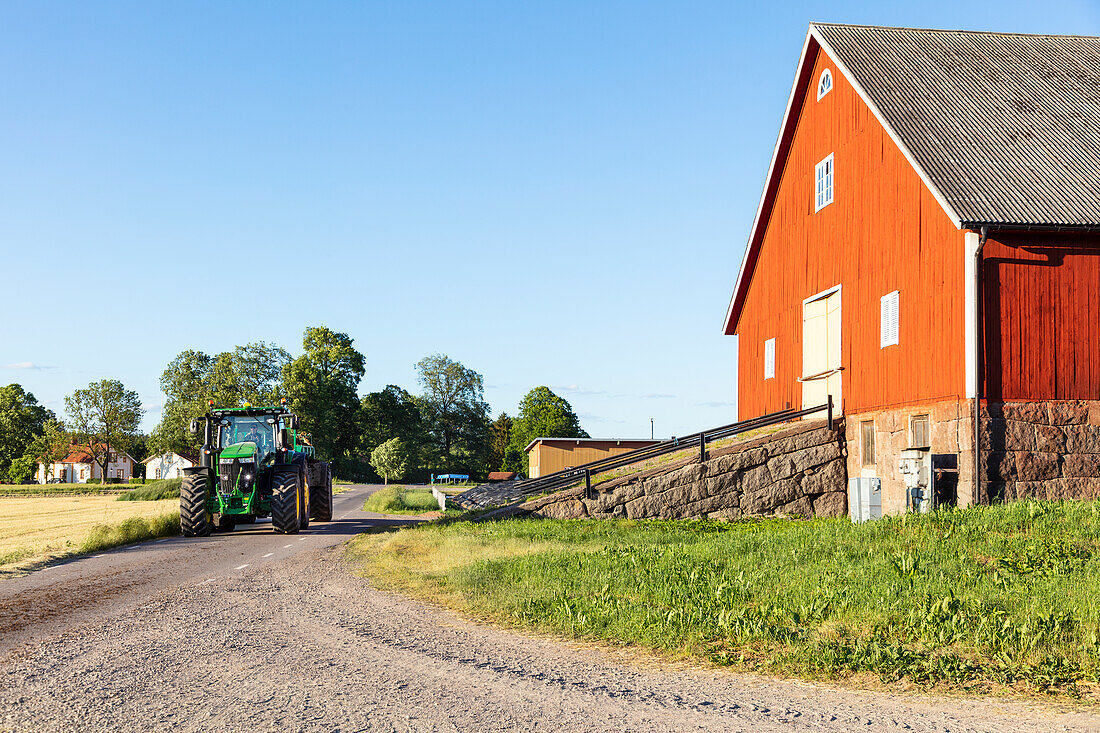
(298, 643)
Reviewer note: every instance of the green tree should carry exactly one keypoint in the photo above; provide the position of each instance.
(106, 415)
(392, 412)
(455, 414)
(21, 419)
(53, 444)
(250, 373)
(542, 414)
(500, 434)
(389, 460)
(322, 385)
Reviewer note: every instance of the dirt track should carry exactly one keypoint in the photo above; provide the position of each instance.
(298, 643)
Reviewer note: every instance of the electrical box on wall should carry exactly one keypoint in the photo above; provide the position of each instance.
(915, 467)
(864, 498)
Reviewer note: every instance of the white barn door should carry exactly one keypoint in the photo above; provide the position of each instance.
(821, 366)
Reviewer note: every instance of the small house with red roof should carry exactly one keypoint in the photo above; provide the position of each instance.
(80, 466)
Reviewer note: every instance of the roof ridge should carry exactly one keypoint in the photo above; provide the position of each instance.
(951, 30)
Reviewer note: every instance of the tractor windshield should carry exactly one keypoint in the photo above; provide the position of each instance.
(248, 430)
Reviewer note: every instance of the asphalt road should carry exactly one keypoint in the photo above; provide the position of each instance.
(256, 631)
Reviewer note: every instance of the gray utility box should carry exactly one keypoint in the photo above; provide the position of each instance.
(864, 498)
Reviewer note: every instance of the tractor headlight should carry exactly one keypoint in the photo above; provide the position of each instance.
(248, 459)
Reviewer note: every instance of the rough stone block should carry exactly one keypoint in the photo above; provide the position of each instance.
(1049, 439)
(999, 465)
(1081, 465)
(569, 509)
(1032, 467)
(1068, 413)
(1032, 412)
(800, 507)
(1082, 438)
(801, 441)
(831, 504)
(726, 514)
(770, 497)
(833, 476)
(1064, 488)
(736, 461)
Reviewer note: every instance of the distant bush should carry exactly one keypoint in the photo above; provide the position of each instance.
(168, 488)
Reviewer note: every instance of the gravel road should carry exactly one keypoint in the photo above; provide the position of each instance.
(217, 635)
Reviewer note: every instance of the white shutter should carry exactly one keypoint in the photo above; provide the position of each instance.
(888, 320)
(769, 359)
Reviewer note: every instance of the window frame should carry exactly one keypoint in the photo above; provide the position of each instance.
(863, 457)
(826, 73)
(913, 420)
(829, 181)
(769, 364)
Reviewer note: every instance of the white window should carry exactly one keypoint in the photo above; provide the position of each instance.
(888, 320)
(769, 359)
(825, 83)
(823, 176)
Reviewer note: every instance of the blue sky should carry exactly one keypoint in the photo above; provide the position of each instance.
(553, 193)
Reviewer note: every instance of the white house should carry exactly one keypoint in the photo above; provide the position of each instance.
(79, 466)
(168, 465)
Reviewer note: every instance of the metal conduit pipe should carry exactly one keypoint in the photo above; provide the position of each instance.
(978, 365)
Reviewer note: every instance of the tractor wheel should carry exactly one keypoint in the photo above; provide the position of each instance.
(320, 496)
(224, 523)
(285, 502)
(194, 521)
(306, 497)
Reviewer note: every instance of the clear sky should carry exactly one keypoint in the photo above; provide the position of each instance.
(552, 193)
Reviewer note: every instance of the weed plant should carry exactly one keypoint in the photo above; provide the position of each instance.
(981, 597)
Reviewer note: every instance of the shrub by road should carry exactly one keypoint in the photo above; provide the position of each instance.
(982, 599)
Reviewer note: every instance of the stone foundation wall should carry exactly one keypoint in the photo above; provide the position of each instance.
(950, 423)
(1042, 450)
(798, 471)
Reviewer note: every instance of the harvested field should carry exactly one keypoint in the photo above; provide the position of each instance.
(34, 528)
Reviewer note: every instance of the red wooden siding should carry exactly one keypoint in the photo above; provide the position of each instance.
(884, 231)
(1042, 307)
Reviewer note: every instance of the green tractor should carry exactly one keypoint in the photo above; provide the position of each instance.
(254, 463)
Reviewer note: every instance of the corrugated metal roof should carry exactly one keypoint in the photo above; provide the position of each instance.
(1006, 126)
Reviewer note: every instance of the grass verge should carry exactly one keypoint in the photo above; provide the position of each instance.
(997, 599)
(168, 488)
(135, 529)
(401, 500)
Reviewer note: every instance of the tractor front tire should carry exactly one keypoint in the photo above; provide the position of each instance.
(320, 497)
(194, 521)
(304, 500)
(285, 501)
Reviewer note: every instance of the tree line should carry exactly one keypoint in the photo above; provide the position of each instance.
(393, 434)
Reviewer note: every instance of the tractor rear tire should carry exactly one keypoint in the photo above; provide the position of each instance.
(194, 521)
(320, 496)
(286, 491)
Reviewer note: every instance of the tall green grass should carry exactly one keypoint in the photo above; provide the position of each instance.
(135, 529)
(401, 500)
(168, 488)
(1008, 595)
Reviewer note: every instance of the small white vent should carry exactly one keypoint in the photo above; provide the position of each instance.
(769, 359)
(825, 84)
(888, 320)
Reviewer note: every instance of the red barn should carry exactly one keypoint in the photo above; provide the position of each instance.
(929, 234)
